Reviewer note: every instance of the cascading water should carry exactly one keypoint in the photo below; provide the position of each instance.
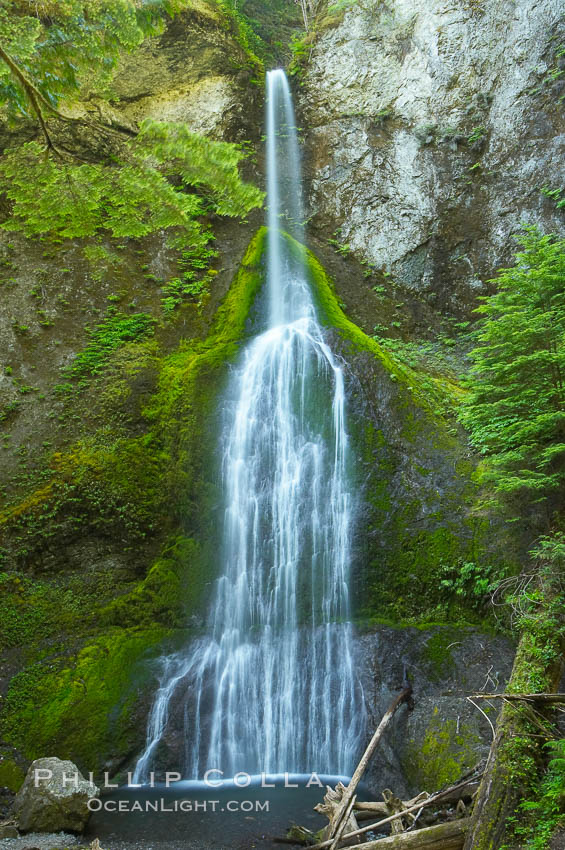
(273, 687)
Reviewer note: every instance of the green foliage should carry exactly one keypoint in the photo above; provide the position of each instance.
(101, 260)
(433, 357)
(272, 25)
(177, 290)
(133, 197)
(249, 40)
(469, 580)
(557, 195)
(344, 250)
(477, 137)
(553, 76)
(164, 179)
(542, 816)
(116, 330)
(515, 407)
(60, 45)
(300, 47)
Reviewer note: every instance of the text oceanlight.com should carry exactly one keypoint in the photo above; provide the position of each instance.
(162, 805)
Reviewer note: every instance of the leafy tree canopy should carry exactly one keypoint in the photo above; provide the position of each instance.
(515, 408)
(130, 197)
(53, 52)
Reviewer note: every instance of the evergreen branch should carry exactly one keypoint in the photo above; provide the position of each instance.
(33, 94)
(37, 101)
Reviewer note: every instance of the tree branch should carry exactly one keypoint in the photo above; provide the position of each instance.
(525, 697)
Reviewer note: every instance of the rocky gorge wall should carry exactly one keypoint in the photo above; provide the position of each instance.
(432, 127)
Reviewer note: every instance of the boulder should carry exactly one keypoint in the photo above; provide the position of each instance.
(54, 797)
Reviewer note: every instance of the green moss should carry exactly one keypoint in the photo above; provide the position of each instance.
(128, 487)
(446, 752)
(81, 708)
(182, 411)
(430, 392)
(114, 331)
(148, 475)
(11, 775)
(125, 486)
(170, 592)
(437, 652)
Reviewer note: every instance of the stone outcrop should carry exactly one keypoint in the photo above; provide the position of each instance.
(195, 72)
(432, 128)
(444, 734)
(54, 797)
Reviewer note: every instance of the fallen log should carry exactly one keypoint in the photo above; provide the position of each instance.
(445, 836)
(343, 810)
(502, 786)
(369, 810)
(463, 790)
(373, 826)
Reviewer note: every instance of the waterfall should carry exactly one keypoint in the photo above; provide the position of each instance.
(272, 687)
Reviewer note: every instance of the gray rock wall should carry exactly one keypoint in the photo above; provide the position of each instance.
(432, 126)
(444, 734)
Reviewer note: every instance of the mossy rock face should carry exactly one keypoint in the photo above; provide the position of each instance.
(448, 749)
(434, 741)
(11, 775)
(414, 475)
(82, 707)
(123, 531)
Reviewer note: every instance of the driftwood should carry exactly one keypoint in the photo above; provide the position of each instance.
(343, 811)
(454, 794)
(369, 810)
(463, 790)
(435, 798)
(395, 806)
(331, 807)
(445, 836)
(523, 697)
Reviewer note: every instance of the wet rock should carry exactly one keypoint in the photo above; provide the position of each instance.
(54, 797)
(444, 734)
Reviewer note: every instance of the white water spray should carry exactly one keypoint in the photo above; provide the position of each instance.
(273, 687)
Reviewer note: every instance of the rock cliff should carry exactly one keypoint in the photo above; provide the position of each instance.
(432, 127)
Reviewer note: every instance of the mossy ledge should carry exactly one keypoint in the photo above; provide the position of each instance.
(423, 388)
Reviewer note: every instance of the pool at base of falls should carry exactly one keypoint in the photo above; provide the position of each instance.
(191, 814)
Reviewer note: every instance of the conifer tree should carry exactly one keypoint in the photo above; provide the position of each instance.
(515, 410)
